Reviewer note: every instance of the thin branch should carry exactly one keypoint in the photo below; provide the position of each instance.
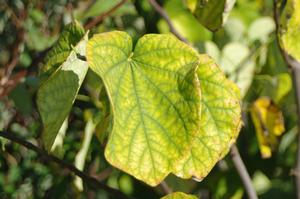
(296, 80)
(242, 171)
(295, 70)
(100, 18)
(93, 182)
(164, 14)
(11, 83)
(6, 82)
(103, 174)
(18, 23)
(166, 187)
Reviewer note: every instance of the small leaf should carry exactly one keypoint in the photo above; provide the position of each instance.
(236, 61)
(268, 122)
(212, 13)
(290, 28)
(261, 182)
(69, 37)
(283, 86)
(57, 94)
(155, 100)
(261, 28)
(179, 195)
(220, 121)
(235, 29)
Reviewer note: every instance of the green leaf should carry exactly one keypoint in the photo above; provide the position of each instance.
(185, 23)
(261, 182)
(57, 94)
(290, 28)
(236, 61)
(220, 121)
(69, 37)
(283, 86)
(261, 29)
(179, 195)
(235, 29)
(212, 13)
(155, 98)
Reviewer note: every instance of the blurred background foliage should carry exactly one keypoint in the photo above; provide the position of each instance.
(246, 49)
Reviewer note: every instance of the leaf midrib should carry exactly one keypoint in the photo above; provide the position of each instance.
(142, 118)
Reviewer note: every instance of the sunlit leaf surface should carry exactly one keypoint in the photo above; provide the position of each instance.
(220, 121)
(155, 97)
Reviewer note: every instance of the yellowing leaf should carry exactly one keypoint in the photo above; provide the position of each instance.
(155, 97)
(57, 93)
(220, 121)
(212, 13)
(268, 122)
(179, 195)
(290, 28)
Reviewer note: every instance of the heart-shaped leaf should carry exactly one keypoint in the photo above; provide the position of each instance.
(220, 121)
(155, 97)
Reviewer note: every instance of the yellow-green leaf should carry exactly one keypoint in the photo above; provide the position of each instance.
(155, 97)
(268, 122)
(283, 86)
(212, 13)
(57, 93)
(290, 28)
(179, 195)
(220, 121)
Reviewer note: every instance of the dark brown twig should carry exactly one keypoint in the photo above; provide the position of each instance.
(164, 14)
(103, 174)
(6, 82)
(242, 171)
(93, 182)
(94, 22)
(11, 83)
(294, 67)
